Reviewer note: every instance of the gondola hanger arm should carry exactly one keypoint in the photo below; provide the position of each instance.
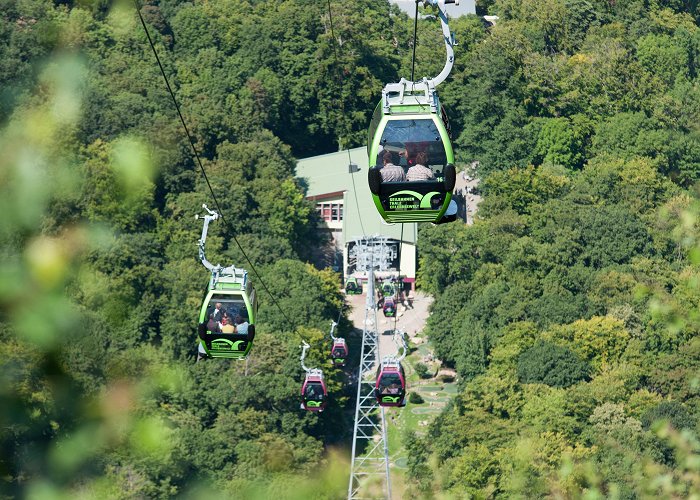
(401, 344)
(304, 347)
(447, 36)
(216, 270)
(212, 215)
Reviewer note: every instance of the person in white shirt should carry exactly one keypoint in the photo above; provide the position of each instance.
(217, 312)
(391, 172)
(420, 171)
(241, 325)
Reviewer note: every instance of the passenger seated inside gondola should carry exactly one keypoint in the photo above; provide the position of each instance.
(408, 138)
(241, 325)
(421, 170)
(228, 307)
(218, 312)
(213, 325)
(389, 171)
(227, 325)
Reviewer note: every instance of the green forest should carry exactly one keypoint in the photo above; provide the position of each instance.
(570, 308)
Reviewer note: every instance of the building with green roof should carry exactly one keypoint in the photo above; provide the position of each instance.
(345, 204)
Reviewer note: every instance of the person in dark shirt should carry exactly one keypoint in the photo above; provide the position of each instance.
(213, 325)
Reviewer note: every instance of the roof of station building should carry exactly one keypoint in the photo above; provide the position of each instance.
(329, 174)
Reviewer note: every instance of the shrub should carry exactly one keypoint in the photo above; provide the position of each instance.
(415, 398)
(550, 364)
(676, 414)
(422, 370)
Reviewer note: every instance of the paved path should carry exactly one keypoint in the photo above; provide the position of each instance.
(410, 321)
(465, 185)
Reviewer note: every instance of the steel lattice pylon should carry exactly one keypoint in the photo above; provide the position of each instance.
(369, 434)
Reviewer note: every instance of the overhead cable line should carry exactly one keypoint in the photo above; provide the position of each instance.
(339, 71)
(201, 166)
(342, 103)
(396, 314)
(357, 203)
(335, 53)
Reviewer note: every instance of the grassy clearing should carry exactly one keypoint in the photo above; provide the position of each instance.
(415, 417)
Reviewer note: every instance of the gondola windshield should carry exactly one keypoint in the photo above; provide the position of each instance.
(313, 391)
(227, 307)
(390, 383)
(406, 138)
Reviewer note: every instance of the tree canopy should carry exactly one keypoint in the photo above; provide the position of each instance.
(569, 308)
(566, 307)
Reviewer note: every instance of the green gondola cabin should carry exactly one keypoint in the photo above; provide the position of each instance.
(388, 289)
(410, 124)
(232, 300)
(353, 287)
